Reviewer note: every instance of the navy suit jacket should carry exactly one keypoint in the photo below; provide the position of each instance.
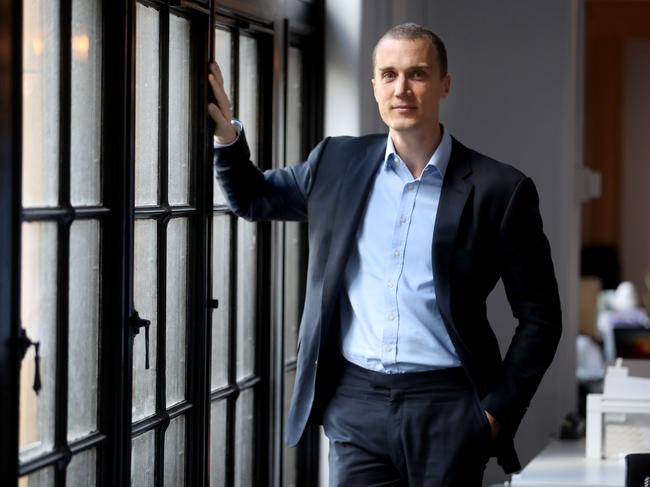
(488, 228)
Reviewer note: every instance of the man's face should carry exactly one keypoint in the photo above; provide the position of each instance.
(407, 84)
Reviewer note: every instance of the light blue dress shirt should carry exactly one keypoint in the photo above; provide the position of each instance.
(390, 321)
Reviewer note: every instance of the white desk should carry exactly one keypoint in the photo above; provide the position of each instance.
(563, 463)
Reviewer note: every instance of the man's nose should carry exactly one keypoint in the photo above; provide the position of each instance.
(401, 86)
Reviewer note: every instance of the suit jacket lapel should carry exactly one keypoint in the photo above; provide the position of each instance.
(456, 189)
(352, 199)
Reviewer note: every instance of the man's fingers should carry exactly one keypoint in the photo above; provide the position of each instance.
(224, 130)
(216, 70)
(218, 116)
(220, 95)
(494, 424)
(220, 111)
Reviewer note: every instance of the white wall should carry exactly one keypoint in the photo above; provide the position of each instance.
(516, 78)
(635, 197)
(342, 72)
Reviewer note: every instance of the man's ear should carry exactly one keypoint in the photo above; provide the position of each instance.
(374, 92)
(446, 86)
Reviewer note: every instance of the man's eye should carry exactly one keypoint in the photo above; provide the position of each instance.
(419, 75)
(388, 75)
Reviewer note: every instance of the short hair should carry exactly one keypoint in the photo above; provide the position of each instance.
(412, 31)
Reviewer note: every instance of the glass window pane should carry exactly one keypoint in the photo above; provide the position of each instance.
(40, 478)
(86, 102)
(218, 410)
(220, 290)
(38, 316)
(289, 378)
(289, 455)
(147, 99)
(40, 103)
(176, 309)
(143, 459)
(244, 424)
(83, 327)
(179, 110)
(246, 297)
(223, 56)
(175, 453)
(292, 288)
(292, 283)
(294, 106)
(248, 91)
(82, 470)
(145, 296)
(292, 280)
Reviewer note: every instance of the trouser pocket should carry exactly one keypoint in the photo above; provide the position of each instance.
(484, 423)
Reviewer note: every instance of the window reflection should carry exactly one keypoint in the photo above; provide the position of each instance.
(147, 101)
(223, 56)
(86, 103)
(80, 45)
(248, 91)
(40, 103)
(179, 123)
(38, 309)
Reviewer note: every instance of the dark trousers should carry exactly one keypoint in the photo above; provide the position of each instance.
(415, 429)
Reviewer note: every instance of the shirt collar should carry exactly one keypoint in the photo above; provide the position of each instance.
(439, 159)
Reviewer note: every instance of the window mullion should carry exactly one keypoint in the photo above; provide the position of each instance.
(63, 248)
(10, 254)
(198, 333)
(161, 359)
(277, 139)
(161, 410)
(232, 347)
(164, 107)
(115, 357)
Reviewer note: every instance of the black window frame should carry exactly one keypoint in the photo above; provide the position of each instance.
(295, 22)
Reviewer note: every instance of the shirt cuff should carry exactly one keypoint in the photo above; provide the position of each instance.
(238, 128)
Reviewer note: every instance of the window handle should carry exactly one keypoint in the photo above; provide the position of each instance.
(136, 324)
(23, 345)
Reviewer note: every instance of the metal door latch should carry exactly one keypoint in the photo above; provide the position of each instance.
(137, 323)
(23, 345)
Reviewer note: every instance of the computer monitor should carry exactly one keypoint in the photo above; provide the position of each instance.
(632, 342)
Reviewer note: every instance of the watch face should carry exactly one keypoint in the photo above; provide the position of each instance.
(638, 470)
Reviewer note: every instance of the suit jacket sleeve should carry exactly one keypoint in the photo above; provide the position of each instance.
(275, 194)
(531, 288)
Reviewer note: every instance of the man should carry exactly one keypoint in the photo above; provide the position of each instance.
(408, 235)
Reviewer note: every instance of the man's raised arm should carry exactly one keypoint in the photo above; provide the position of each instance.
(275, 194)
